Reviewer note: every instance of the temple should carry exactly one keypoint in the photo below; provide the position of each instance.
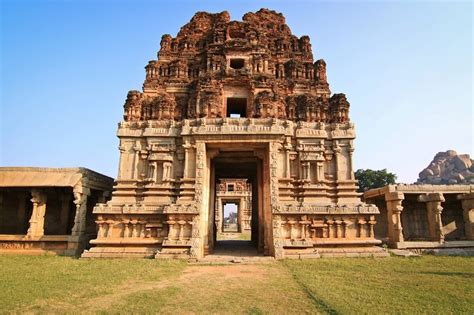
(235, 100)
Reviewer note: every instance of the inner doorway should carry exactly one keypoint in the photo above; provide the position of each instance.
(236, 204)
(233, 209)
(230, 216)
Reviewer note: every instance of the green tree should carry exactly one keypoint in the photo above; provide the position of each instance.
(369, 179)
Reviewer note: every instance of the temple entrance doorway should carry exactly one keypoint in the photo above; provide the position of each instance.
(236, 205)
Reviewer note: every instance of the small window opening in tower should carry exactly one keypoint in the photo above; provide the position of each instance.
(236, 107)
(237, 63)
(230, 187)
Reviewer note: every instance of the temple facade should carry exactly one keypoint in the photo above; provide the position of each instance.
(235, 99)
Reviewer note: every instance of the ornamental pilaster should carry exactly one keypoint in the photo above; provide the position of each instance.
(122, 150)
(394, 209)
(187, 156)
(434, 209)
(336, 148)
(350, 151)
(467, 201)
(80, 201)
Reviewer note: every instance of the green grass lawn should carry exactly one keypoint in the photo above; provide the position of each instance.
(48, 284)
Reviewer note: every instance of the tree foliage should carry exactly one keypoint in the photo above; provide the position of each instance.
(369, 179)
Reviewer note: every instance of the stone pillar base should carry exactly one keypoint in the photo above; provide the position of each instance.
(120, 252)
(173, 253)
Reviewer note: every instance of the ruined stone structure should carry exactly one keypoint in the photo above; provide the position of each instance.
(448, 168)
(239, 192)
(424, 216)
(49, 210)
(235, 99)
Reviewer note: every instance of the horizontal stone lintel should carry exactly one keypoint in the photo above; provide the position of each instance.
(125, 241)
(330, 241)
(26, 238)
(330, 209)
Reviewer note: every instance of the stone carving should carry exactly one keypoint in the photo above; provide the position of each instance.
(132, 107)
(320, 69)
(448, 168)
(339, 108)
(201, 71)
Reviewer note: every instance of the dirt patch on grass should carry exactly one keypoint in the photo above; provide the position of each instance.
(226, 271)
(244, 272)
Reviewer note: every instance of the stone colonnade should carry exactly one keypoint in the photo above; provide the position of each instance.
(433, 197)
(61, 193)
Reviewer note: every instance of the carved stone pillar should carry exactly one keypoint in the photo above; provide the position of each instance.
(350, 150)
(218, 217)
(152, 171)
(36, 228)
(319, 168)
(167, 171)
(292, 231)
(305, 171)
(187, 149)
(337, 152)
(467, 201)
(371, 222)
(80, 200)
(126, 228)
(100, 224)
(304, 224)
(136, 161)
(394, 210)
(110, 228)
(122, 150)
(362, 230)
(434, 210)
(288, 147)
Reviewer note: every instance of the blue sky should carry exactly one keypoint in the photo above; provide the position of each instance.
(66, 67)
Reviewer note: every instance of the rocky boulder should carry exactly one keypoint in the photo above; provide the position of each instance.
(448, 168)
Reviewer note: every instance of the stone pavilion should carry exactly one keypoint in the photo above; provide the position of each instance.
(49, 210)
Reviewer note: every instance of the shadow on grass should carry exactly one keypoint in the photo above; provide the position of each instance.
(319, 303)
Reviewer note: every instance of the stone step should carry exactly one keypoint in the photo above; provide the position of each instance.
(403, 253)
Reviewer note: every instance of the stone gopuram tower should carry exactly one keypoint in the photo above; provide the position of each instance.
(235, 99)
